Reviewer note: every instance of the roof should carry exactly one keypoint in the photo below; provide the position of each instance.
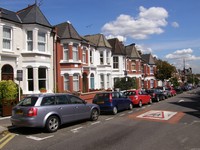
(9, 15)
(66, 30)
(117, 47)
(148, 58)
(32, 14)
(98, 40)
(29, 15)
(132, 52)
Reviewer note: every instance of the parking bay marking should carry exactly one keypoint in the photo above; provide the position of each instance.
(8, 137)
(157, 114)
(76, 129)
(38, 138)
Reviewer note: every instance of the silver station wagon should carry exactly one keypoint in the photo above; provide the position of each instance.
(49, 111)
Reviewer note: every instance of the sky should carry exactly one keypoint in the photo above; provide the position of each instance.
(168, 29)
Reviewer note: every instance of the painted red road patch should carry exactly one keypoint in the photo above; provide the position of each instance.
(158, 115)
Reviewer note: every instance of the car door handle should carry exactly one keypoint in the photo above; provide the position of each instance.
(76, 106)
(60, 108)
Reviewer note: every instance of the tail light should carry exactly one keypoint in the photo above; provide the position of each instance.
(154, 94)
(32, 112)
(110, 98)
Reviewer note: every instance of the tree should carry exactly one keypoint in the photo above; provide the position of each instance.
(174, 81)
(125, 83)
(164, 70)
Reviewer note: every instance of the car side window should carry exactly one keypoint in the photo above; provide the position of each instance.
(75, 100)
(62, 99)
(49, 100)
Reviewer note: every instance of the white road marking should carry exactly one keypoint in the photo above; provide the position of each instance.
(76, 129)
(181, 101)
(95, 122)
(121, 115)
(109, 118)
(130, 112)
(4, 118)
(38, 138)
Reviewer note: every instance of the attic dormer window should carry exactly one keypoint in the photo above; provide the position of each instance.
(41, 41)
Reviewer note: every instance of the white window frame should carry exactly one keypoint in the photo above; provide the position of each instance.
(29, 40)
(101, 58)
(75, 52)
(42, 43)
(66, 82)
(7, 40)
(84, 55)
(75, 82)
(115, 62)
(102, 81)
(65, 52)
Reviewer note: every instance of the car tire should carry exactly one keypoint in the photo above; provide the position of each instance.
(52, 124)
(94, 115)
(130, 106)
(140, 103)
(114, 111)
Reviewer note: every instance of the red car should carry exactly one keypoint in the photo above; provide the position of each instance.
(139, 97)
(172, 90)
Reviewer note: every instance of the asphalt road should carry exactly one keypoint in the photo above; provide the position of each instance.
(172, 124)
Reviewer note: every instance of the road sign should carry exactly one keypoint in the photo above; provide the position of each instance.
(19, 75)
(157, 114)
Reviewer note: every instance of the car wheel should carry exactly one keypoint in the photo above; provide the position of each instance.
(157, 98)
(115, 110)
(94, 115)
(140, 103)
(130, 106)
(52, 124)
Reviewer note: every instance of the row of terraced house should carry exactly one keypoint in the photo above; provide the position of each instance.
(58, 59)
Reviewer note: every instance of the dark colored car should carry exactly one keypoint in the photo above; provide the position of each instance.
(165, 91)
(112, 102)
(52, 110)
(156, 94)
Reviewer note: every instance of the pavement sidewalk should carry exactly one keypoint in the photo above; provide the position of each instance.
(4, 124)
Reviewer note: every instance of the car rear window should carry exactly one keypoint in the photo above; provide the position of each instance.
(130, 93)
(102, 96)
(28, 101)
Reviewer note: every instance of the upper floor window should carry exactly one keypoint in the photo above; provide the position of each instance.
(65, 52)
(91, 57)
(133, 65)
(115, 62)
(107, 57)
(41, 41)
(84, 55)
(101, 57)
(75, 52)
(7, 38)
(151, 70)
(29, 40)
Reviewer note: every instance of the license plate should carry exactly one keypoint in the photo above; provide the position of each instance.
(101, 102)
(19, 112)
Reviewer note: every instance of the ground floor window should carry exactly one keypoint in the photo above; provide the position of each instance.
(92, 81)
(66, 82)
(30, 79)
(75, 82)
(42, 78)
(102, 81)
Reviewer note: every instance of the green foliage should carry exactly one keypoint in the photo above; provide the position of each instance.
(125, 83)
(8, 90)
(164, 70)
(174, 81)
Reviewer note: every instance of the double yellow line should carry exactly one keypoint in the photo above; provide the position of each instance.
(7, 136)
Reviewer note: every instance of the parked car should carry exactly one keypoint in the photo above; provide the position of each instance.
(165, 91)
(112, 101)
(138, 97)
(49, 111)
(156, 94)
(172, 90)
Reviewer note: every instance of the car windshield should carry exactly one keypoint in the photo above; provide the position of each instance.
(28, 101)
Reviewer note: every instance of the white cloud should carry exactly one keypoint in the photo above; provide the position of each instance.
(175, 24)
(148, 22)
(120, 38)
(143, 49)
(183, 54)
